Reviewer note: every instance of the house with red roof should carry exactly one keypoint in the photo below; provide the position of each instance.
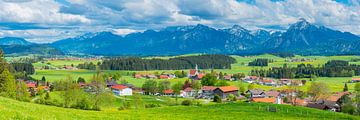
(31, 85)
(250, 79)
(268, 82)
(121, 90)
(355, 80)
(225, 91)
(228, 77)
(188, 92)
(168, 92)
(207, 92)
(164, 77)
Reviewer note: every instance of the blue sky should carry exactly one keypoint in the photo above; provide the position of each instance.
(49, 20)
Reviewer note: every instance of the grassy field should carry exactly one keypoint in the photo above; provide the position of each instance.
(11, 109)
(335, 83)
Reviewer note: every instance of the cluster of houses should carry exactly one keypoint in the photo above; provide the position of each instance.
(153, 76)
(33, 86)
(273, 82)
(206, 92)
(289, 97)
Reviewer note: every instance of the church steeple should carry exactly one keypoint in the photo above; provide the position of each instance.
(196, 68)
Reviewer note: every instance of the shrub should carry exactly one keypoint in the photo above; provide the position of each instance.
(186, 102)
(126, 105)
(151, 105)
(231, 97)
(217, 99)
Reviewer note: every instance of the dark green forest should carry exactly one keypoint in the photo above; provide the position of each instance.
(260, 62)
(333, 68)
(177, 63)
(28, 68)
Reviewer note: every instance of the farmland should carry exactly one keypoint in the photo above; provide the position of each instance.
(335, 83)
(11, 109)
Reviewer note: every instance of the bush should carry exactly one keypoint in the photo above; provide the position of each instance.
(126, 105)
(186, 102)
(151, 105)
(217, 99)
(231, 97)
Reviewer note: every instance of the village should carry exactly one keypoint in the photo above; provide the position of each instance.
(215, 93)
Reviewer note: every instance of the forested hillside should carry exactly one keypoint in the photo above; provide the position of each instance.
(187, 62)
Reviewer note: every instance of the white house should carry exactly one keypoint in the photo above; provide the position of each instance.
(121, 90)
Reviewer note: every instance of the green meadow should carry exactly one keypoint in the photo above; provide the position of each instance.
(335, 83)
(12, 109)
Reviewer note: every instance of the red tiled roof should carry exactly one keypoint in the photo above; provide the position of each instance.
(188, 89)
(163, 76)
(356, 79)
(168, 91)
(228, 88)
(208, 88)
(265, 100)
(301, 102)
(201, 75)
(253, 77)
(192, 72)
(267, 80)
(119, 87)
(272, 93)
(31, 85)
(337, 96)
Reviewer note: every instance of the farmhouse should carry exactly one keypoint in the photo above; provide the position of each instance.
(188, 92)
(272, 94)
(250, 79)
(256, 93)
(121, 90)
(168, 92)
(164, 77)
(268, 82)
(228, 77)
(224, 91)
(138, 76)
(354, 80)
(285, 82)
(207, 91)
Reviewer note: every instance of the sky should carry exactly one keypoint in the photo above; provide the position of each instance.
(44, 21)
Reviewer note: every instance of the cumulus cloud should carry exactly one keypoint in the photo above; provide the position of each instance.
(37, 11)
(125, 31)
(133, 15)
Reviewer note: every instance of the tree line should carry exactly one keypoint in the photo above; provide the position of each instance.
(186, 62)
(260, 62)
(28, 68)
(333, 68)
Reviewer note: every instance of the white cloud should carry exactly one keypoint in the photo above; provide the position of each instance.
(125, 31)
(130, 15)
(37, 11)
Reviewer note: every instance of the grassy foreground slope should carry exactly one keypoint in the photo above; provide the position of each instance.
(11, 109)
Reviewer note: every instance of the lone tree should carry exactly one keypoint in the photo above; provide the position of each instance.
(177, 88)
(43, 79)
(8, 88)
(150, 87)
(318, 90)
(209, 80)
(346, 88)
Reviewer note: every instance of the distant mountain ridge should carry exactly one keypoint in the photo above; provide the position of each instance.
(14, 41)
(301, 37)
(19, 46)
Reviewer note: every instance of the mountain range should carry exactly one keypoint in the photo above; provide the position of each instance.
(301, 37)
